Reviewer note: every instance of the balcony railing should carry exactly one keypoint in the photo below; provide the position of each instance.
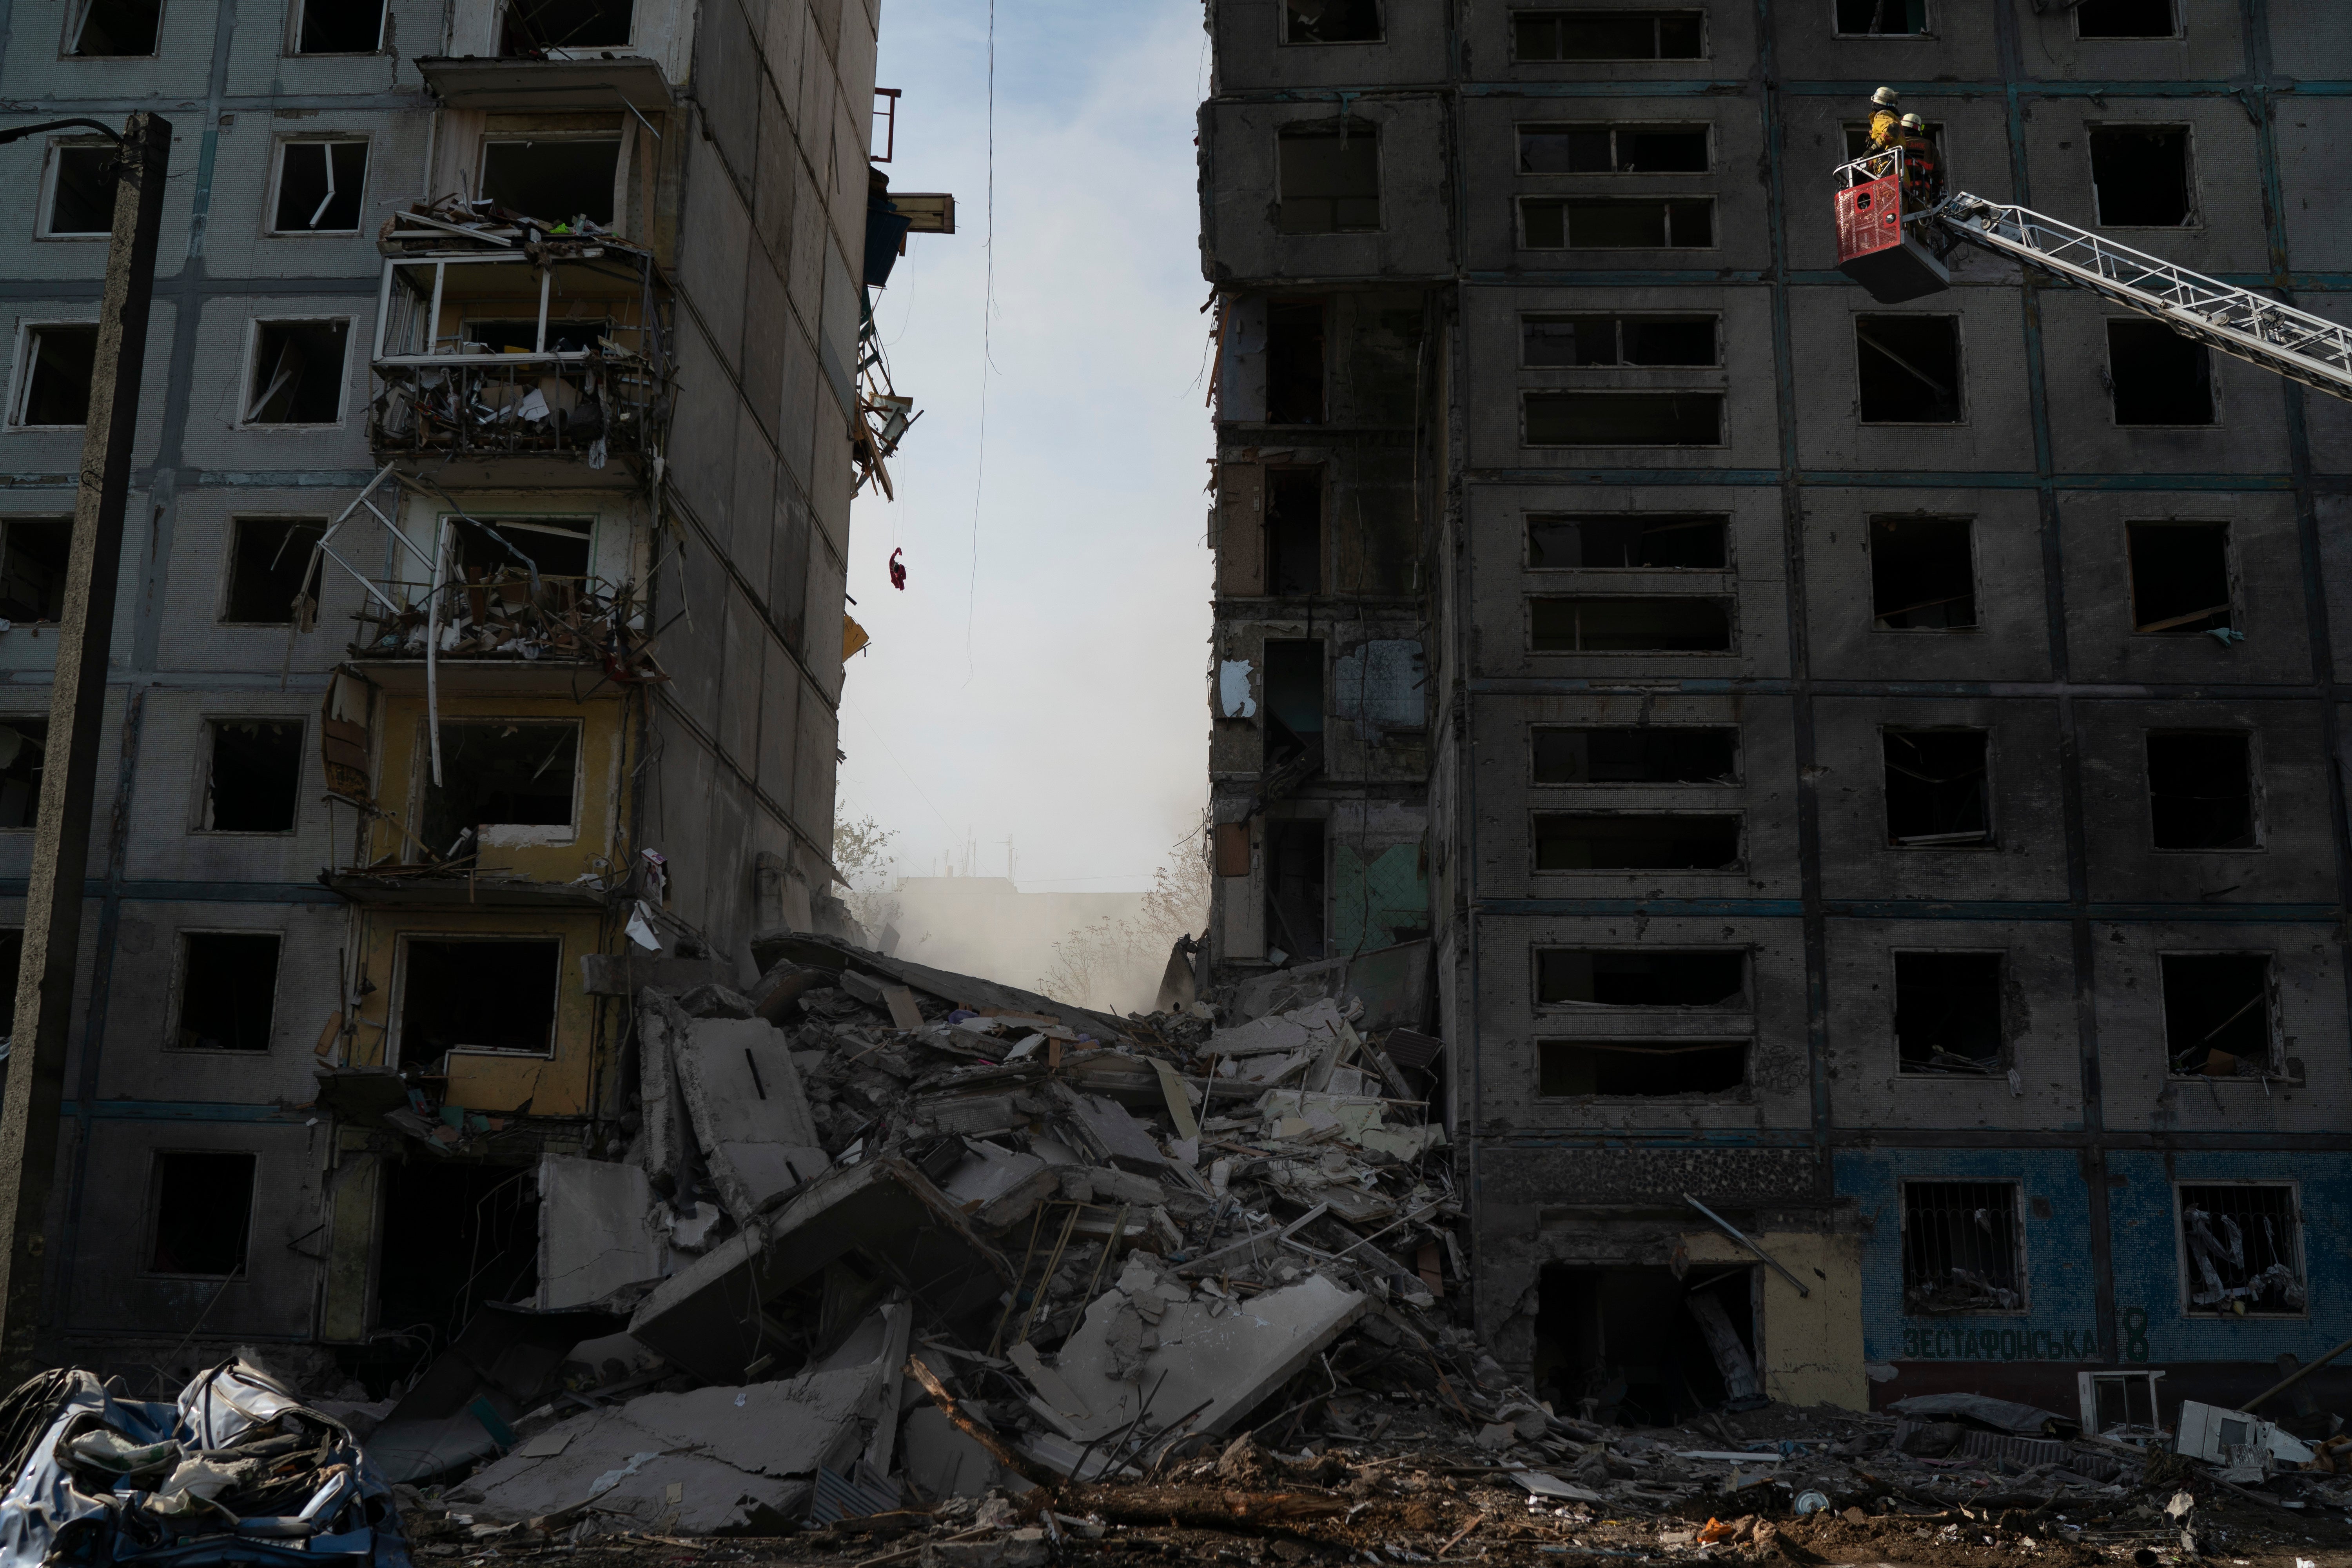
(592, 407)
(567, 620)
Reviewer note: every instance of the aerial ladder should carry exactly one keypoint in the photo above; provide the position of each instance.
(1884, 249)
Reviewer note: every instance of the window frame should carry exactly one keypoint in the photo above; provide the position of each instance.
(149, 1229)
(13, 719)
(397, 1012)
(2184, 1266)
(78, 15)
(1992, 839)
(245, 386)
(1519, 127)
(1731, 649)
(1739, 759)
(1959, 373)
(1705, 34)
(173, 1013)
(2254, 801)
(237, 522)
(2193, 189)
(1926, 25)
(2275, 1064)
(1741, 1093)
(2229, 567)
(1283, 40)
(2179, 34)
(2108, 377)
(317, 139)
(1743, 1006)
(52, 165)
(1306, 130)
(1870, 522)
(1519, 210)
(2004, 1058)
(618, 136)
(20, 391)
(2021, 1212)
(200, 797)
(10, 519)
(420, 772)
(291, 46)
(1617, 319)
(1729, 570)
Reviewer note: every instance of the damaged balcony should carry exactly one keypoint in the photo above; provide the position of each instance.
(501, 337)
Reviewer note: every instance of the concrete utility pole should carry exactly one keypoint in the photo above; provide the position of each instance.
(35, 1098)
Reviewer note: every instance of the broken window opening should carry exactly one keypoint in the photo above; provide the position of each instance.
(1625, 841)
(269, 559)
(1947, 1013)
(34, 552)
(1608, 35)
(2140, 179)
(201, 1202)
(520, 336)
(339, 28)
(1641, 977)
(558, 546)
(1549, 340)
(228, 990)
(1294, 530)
(1639, 1070)
(1647, 754)
(2113, 1399)
(2125, 20)
(1937, 793)
(1294, 362)
(59, 361)
(1330, 178)
(2157, 376)
(493, 995)
(558, 179)
(298, 372)
(1648, 541)
(118, 27)
(81, 191)
(23, 751)
(1604, 149)
(2180, 576)
(2219, 1015)
(1625, 418)
(1857, 18)
(1331, 21)
(319, 186)
(1294, 702)
(1962, 1248)
(1907, 370)
(534, 27)
(1638, 1346)
(498, 773)
(2201, 789)
(1684, 623)
(454, 1236)
(1923, 574)
(1617, 223)
(255, 779)
(1293, 886)
(2243, 1243)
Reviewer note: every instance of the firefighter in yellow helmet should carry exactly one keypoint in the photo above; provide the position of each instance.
(1885, 125)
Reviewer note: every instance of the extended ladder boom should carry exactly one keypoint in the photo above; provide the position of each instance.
(1877, 248)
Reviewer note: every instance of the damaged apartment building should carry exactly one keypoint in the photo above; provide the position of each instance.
(509, 377)
(1870, 774)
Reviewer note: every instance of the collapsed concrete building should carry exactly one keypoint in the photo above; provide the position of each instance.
(1873, 771)
(511, 376)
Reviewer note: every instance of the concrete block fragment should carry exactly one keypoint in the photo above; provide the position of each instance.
(1115, 1137)
(593, 1235)
(748, 1111)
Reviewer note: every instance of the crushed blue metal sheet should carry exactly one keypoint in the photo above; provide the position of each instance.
(237, 1469)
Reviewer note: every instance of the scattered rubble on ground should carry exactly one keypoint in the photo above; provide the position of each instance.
(901, 1266)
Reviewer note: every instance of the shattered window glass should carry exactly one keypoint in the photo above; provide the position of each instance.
(2244, 1247)
(1960, 1248)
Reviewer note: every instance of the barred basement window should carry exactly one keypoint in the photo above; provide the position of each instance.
(1624, 419)
(1606, 149)
(1628, 841)
(1962, 1248)
(1545, 35)
(1639, 1070)
(1641, 541)
(1647, 754)
(2243, 1243)
(1616, 223)
(1679, 624)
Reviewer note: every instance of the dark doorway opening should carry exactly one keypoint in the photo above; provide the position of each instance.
(1294, 530)
(1630, 1345)
(453, 1237)
(1294, 702)
(1294, 362)
(1294, 887)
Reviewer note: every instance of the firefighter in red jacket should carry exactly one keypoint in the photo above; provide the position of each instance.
(1923, 175)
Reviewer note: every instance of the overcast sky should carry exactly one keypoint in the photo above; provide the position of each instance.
(1047, 685)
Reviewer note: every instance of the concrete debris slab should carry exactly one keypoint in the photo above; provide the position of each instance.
(1110, 1133)
(597, 1233)
(465, 1403)
(748, 1111)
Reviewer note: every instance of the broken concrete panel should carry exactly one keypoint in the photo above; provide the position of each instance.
(593, 1235)
(1379, 687)
(989, 1170)
(750, 1113)
(709, 1317)
(668, 1138)
(970, 1118)
(1116, 1137)
(507, 1359)
(1221, 1357)
(718, 1459)
(964, 990)
(1278, 1032)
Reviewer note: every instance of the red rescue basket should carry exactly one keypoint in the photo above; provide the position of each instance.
(1873, 248)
